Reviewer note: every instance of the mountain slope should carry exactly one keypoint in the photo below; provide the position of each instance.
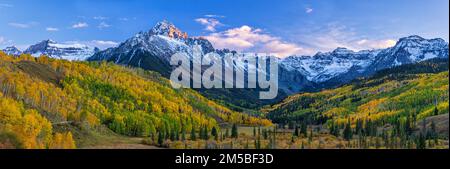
(342, 65)
(414, 90)
(151, 50)
(86, 96)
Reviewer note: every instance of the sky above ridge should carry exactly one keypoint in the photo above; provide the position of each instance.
(285, 27)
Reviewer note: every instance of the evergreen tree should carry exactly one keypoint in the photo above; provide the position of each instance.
(348, 134)
(160, 138)
(296, 133)
(214, 133)
(434, 134)
(193, 137)
(359, 127)
(234, 131)
(183, 134)
(408, 126)
(304, 129)
(172, 135)
(334, 129)
(258, 143)
(206, 134)
(265, 134)
(421, 141)
(291, 125)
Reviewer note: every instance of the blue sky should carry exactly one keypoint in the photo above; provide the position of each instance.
(283, 27)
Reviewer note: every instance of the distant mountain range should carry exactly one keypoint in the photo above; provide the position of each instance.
(151, 50)
(67, 51)
(343, 65)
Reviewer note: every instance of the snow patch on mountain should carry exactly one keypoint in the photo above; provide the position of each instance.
(66, 51)
(325, 66)
(12, 50)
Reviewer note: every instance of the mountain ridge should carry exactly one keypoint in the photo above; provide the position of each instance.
(152, 49)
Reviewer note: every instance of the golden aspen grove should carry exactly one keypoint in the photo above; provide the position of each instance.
(43, 101)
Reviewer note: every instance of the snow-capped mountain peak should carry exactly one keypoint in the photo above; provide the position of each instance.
(67, 51)
(349, 64)
(152, 50)
(166, 28)
(12, 50)
(342, 51)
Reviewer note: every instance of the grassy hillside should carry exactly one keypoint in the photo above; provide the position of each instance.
(59, 98)
(395, 103)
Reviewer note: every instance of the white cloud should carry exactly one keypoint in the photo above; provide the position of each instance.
(376, 44)
(100, 18)
(51, 29)
(248, 39)
(335, 35)
(105, 43)
(19, 25)
(309, 10)
(124, 19)
(101, 44)
(214, 16)
(80, 25)
(4, 41)
(103, 25)
(209, 23)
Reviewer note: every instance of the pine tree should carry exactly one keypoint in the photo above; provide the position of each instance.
(421, 141)
(348, 134)
(234, 131)
(408, 127)
(258, 143)
(193, 137)
(334, 129)
(304, 129)
(359, 127)
(183, 134)
(434, 134)
(160, 138)
(296, 133)
(265, 134)
(177, 135)
(214, 133)
(172, 135)
(205, 133)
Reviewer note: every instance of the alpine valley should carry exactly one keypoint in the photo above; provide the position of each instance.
(72, 95)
